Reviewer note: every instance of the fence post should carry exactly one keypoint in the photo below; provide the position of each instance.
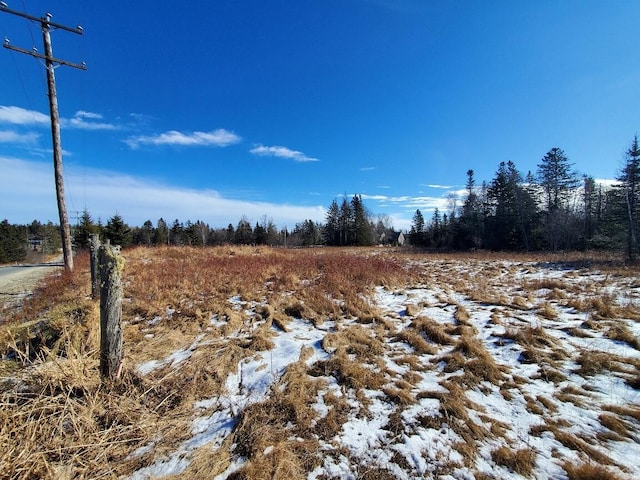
(94, 245)
(111, 266)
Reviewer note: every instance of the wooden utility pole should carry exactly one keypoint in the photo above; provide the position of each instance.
(50, 63)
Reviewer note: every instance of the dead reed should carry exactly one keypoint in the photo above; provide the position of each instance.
(520, 461)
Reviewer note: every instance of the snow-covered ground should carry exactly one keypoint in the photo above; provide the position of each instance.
(537, 398)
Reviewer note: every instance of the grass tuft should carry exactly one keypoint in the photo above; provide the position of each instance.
(588, 471)
(520, 461)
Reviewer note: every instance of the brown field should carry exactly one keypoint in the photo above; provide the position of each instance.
(254, 363)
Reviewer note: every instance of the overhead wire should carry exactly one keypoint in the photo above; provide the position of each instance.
(43, 76)
(25, 91)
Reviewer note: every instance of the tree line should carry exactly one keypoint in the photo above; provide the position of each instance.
(553, 209)
(349, 224)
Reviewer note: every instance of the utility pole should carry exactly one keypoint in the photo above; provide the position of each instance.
(50, 63)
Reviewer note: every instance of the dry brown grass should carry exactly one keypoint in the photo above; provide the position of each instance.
(621, 333)
(462, 315)
(629, 410)
(66, 423)
(433, 330)
(60, 421)
(275, 435)
(588, 471)
(546, 284)
(354, 339)
(453, 411)
(547, 311)
(412, 337)
(528, 335)
(573, 442)
(352, 374)
(479, 363)
(520, 461)
(196, 285)
(616, 425)
(595, 362)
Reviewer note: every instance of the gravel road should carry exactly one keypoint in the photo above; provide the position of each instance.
(18, 281)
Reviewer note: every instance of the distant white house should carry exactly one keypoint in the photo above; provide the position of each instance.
(392, 238)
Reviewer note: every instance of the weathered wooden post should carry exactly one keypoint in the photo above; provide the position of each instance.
(94, 245)
(111, 266)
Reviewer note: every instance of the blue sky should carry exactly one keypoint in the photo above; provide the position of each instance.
(215, 110)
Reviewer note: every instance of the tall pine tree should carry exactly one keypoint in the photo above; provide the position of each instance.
(630, 184)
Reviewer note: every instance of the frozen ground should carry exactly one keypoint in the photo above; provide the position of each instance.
(554, 386)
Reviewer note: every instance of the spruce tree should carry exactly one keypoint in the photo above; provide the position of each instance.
(362, 232)
(244, 232)
(332, 225)
(417, 231)
(468, 233)
(345, 221)
(630, 184)
(161, 236)
(557, 178)
(117, 232)
(86, 227)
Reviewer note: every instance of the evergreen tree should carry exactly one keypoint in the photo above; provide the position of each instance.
(345, 221)
(307, 233)
(161, 236)
(630, 185)
(176, 233)
(417, 231)
(362, 232)
(589, 203)
(244, 233)
(332, 225)
(196, 233)
(558, 182)
(230, 234)
(13, 242)
(557, 178)
(86, 227)
(434, 232)
(503, 222)
(259, 235)
(118, 232)
(146, 234)
(468, 233)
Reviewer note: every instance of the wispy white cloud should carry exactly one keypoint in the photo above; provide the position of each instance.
(410, 203)
(29, 193)
(91, 115)
(431, 185)
(21, 116)
(82, 119)
(367, 169)
(9, 136)
(281, 152)
(88, 121)
(217, 138)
